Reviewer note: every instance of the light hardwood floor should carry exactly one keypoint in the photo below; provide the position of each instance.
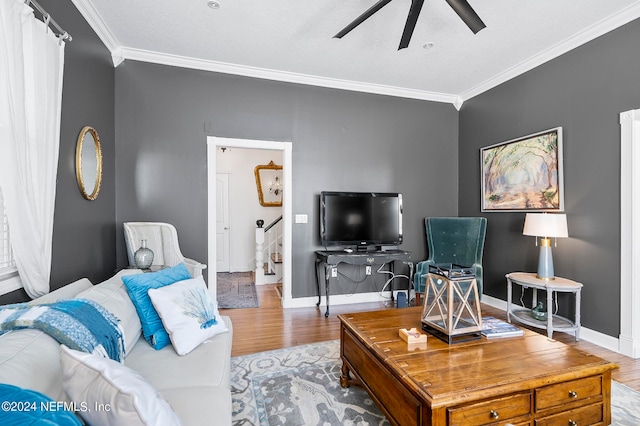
(271, 327)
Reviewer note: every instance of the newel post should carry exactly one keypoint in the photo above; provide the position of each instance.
(259, 251)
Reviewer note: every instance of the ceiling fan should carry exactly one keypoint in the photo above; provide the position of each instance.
(461, 7)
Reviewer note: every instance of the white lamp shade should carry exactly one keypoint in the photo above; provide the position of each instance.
(546, 225)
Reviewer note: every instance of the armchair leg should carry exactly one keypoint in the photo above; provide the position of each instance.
(418, 297)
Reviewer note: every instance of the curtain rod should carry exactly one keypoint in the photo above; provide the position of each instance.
(65, 36)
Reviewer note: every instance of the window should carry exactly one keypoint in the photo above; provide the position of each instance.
(9, 280)
(6, 255)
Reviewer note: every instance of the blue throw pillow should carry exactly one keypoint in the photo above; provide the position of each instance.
(138, 286)
(26, 407)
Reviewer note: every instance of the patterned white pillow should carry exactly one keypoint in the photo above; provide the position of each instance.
(109, 393)
(188, 313)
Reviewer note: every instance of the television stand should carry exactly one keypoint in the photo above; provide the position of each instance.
(331, 260)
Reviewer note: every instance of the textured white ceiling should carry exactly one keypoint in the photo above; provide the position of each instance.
(292, 40)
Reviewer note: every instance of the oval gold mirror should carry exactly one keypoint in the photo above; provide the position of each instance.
(269, 183)
(89, 163)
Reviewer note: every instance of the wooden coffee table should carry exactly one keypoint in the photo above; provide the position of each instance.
(529, 380)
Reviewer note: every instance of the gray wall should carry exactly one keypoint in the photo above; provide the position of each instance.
(83, 231)
(583, 91)
(344, 141)
(341, 141)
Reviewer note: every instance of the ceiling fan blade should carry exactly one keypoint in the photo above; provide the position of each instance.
(412, 18)
(467, 14)
(360, 19)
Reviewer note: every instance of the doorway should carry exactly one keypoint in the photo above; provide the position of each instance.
(214, 146)
(223, 247)
(238, 212)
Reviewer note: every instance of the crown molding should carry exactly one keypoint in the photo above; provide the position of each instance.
(91, 15)
(119, 54)
(283, 76)
(604, 26)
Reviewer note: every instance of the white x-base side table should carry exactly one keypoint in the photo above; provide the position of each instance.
(557, 285)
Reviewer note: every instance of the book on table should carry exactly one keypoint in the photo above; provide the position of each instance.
(494, 328)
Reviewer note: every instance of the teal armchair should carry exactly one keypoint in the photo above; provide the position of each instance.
(458, 240)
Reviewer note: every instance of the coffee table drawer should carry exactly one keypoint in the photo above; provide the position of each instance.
(392, 398)
(567, 392)
(588, 415)
(492, 411)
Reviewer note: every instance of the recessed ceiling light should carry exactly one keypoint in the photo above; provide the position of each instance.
(213, 4)
(428, 45)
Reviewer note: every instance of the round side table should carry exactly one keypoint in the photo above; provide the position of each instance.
(557, 285)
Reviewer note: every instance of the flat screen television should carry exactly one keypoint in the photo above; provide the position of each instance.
(360, 219)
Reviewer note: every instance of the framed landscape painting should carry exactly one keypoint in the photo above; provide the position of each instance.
(523, 174)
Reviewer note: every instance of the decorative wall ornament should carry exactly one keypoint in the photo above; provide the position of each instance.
(89, 163)
(269, 184)
(524, 174)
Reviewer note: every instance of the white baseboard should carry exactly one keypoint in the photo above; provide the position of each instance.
(395, 293)
(339, 299)
(493, 302)
(591, 336)
(628, 347)
(270, 279)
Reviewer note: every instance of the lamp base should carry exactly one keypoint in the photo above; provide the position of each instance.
(545, 278)
(545, 261)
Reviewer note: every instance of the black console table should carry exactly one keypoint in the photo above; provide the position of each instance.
(331, 259)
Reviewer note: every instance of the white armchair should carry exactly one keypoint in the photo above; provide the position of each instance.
(162, 239)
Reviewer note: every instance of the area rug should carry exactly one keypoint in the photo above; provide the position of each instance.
(236, 290)
(301, 386)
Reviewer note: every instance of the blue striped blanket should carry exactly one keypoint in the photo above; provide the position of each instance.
(80, 324)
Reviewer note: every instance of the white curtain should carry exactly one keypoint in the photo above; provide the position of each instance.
(31, 67)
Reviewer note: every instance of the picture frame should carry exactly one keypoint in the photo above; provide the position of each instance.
(523, 174)
(269, 184)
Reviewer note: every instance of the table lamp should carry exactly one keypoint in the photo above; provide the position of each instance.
(547, 226)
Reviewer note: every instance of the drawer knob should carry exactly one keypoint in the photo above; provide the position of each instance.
(573, 423)
(494, 415)
(573, 394)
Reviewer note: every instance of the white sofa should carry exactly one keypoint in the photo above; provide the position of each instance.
(196, 385)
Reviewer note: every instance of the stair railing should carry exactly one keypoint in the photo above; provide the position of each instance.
(268, 242)
(273, 237)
